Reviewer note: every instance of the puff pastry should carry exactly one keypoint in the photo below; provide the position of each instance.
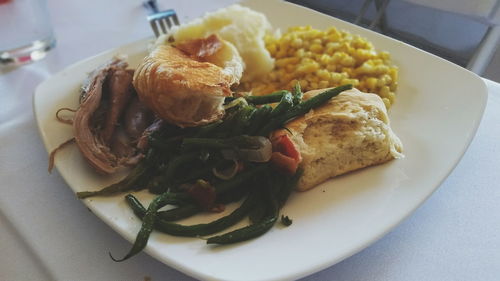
(350, 132)
(186, 85)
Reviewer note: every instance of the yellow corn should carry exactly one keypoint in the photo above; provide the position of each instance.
(326, 58)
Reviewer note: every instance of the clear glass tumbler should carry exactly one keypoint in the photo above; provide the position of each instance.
(26, 33)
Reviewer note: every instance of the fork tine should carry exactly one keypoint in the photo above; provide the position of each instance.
(163, 27)
(176, 20)
(155, 28)
(168, 22)
(162, 22)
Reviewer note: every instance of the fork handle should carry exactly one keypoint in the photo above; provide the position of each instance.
(151, 6)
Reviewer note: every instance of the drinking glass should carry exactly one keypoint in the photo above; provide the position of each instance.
(26, 33)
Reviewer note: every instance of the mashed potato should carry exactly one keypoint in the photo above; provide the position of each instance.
(243, 27)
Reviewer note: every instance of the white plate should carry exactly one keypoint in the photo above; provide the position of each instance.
(436, 114)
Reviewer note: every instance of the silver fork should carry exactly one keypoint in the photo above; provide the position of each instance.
(160, 21)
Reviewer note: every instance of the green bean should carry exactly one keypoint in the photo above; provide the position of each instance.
(196, 173)
(166, 181)
(233, 195)
(285, 104)
(245, 233)
(243, 120)
(302, 108)
(177, 162)
(228, 123)
(315, 101)
(251, 231)
(240, 141)
(264, 99)
(156, 184)
(229, 185)
(297, 94)
(197, 229)
(165, 146)
(131, 182)
(208, 129)
(261, 115)
(206, 143)
(148, 221)
(178, 213)
(174, 213)
(258, 212)
(241, 178)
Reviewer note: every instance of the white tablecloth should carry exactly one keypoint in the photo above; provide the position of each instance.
(47, 234)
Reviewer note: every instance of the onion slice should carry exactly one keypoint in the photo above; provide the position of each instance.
(236, 102)
(260, 151)
(227, 173)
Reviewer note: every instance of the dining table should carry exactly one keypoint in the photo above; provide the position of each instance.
(46, 233)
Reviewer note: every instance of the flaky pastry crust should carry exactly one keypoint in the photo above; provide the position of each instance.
(182, 88)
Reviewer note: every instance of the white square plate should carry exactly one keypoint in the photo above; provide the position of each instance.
(436, 114)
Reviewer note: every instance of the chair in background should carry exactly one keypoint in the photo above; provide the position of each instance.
(476, 25)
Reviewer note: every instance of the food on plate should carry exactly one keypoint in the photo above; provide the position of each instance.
(203, 168)
(199, 142)
(349, 132)
(320, 59)
(186, 84)
(105, 96)
(242, 26)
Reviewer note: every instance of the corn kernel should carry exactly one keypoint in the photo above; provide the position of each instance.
(354, 82)
(273, 76)
(299, 53)
(323, 74)
(371, 83)
(280, 54)
(324, 59)
(323, 84)
(347, 61)
(290, 68)
(384, 91)
(384, 55)
(319, 59)
(286, 61)
(292, 83)
(391, 97)
(387, 79)
(271, 48)
(393, 72)
(387, 102)
(316, 48)
(382, 69)
(297, 43)
(335, 77)
(304, 84)
(331, 67)
(317, 40)
(308, 68)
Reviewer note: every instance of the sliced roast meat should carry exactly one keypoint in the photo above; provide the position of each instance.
(87, 138)
(137, 118)
(120, 90)
(120, 144)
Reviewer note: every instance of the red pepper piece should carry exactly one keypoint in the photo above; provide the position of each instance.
(286, 157)
(203, 194)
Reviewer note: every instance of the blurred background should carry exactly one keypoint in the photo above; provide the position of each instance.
(462, 31)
